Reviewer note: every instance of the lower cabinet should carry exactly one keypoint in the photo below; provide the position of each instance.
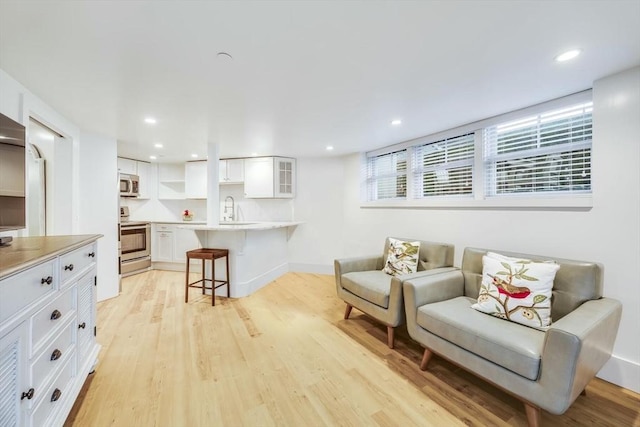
(170, 244)
(48, 348)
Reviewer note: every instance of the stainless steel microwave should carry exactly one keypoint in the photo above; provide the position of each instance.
(129, 185)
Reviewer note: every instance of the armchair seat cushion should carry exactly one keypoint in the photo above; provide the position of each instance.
(507, 344)
(373, 286)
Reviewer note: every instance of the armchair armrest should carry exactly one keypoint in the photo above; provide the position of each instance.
(365, 263)
(425, 289)
(575, 349)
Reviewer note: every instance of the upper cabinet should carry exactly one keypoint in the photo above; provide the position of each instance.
(269, 177)
(195, 180)
(128, 166)
(231, 171)
(147, 187)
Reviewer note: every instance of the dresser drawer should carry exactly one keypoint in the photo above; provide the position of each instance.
(47, 321)
(23, 289)
(51, 359)
(54, 395)
(74, 263)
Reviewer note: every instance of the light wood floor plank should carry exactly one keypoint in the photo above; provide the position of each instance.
(285, 356)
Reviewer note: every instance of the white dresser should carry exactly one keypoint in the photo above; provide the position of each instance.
(47, 327)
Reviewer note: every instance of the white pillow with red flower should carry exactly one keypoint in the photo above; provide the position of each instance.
(517, 289)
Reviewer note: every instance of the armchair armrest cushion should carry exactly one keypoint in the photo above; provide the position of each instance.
(425, 289)
(365, 263)
(584, 339)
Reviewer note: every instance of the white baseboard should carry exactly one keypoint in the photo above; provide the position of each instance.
(622, 372)
(311, 268)
(250, 286)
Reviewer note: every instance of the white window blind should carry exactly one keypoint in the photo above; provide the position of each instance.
(444, 168)
(544, 153)
(387, 176)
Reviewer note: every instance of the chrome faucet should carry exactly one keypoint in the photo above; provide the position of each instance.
(227, 207)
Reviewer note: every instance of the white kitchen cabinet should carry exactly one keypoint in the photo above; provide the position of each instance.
(269, 177)
(170, 244)
(147, 188)
(196, 180)
(48, 343)
(162, 243)
(143, 170)
(128, 166)
(231, 171)
(171, 181)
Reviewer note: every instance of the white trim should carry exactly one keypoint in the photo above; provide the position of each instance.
(622, 372)
(502, 202)
(311, 268)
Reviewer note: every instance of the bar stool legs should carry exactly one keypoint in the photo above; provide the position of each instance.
(205, 254)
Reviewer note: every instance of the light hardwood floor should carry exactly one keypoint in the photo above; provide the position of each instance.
(284, 356)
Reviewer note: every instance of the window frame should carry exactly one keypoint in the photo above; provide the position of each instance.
(478, 199)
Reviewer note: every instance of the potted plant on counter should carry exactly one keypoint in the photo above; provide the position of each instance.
(187, 215)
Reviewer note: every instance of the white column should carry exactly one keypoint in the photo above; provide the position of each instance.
(213, 186)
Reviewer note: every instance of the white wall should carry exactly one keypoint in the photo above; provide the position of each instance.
(608, 233)
(319, 203)
(98, 207)
(70, 215)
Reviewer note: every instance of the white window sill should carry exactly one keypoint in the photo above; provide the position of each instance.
(578, 202)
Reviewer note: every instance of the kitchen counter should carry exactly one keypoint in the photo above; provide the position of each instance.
(25, 252)
(241, 225)
(180, 222)
(258, 251)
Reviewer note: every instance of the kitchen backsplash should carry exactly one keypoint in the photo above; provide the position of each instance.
(245, 209)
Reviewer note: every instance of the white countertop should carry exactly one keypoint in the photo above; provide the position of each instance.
(240, 225)
(180, 222)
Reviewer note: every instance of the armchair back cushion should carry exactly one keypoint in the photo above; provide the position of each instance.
(432, 255)
(575, 281)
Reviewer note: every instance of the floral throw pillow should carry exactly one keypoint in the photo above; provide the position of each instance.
(518, 290)
(402, 257)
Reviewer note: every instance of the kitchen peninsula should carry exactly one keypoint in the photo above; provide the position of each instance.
(257, 251)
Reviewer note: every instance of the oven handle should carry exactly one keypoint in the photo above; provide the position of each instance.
(134, 227)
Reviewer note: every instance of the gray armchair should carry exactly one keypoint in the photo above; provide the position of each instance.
(362, 284)
(544, 369)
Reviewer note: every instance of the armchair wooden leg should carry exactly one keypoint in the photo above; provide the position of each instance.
(347, 311)
(390, 336)
(426, 356)
(533, 415)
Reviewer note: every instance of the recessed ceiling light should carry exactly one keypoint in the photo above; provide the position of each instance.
(194, 155)
(158, 145)
(570, 54)
(224, 56)
(150, 120)
(152, 157)
(396, 122)
(329, 147)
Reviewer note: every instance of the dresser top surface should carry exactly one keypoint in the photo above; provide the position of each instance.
(25, 252)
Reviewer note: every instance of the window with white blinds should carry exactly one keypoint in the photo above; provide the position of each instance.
(544, 153)
(444, 168)
(387, 176)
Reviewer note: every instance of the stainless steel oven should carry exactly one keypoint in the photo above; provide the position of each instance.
(135, 244)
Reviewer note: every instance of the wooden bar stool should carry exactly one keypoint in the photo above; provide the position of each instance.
(207, 254)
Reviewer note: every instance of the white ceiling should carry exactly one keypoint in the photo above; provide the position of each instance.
(304, 74)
